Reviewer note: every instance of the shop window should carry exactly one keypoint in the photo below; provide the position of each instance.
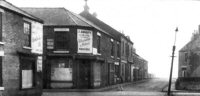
(61, 70)
(27, 72)
(27, 33)
(62, 40)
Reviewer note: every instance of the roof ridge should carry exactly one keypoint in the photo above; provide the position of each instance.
(70, 16)
(26, 13)
(44, 7)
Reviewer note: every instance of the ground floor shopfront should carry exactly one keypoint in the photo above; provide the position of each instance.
(79, 72)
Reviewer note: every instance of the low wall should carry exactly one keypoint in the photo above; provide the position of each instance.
(190, 84)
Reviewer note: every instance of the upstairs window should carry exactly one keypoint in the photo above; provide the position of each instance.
(62, 40)
(98, 43)
(0, 26)
(186, 57)
(112, 47)
(27, 33)
(127, 50)
(122, 48)
(118, 49)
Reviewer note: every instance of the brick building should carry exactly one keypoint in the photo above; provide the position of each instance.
(21, 37)
(188, 68)
(122, 57)
(77, 53)
(81, 51)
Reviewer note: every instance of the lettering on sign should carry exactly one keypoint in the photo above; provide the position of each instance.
(84, 38)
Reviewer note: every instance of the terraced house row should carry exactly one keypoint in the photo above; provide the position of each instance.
(53, 48)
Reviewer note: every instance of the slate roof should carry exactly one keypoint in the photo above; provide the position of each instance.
(103, 25)
(193, 45)
(60, 17)
(6, 5)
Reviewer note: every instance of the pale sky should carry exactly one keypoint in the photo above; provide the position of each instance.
(149, 23)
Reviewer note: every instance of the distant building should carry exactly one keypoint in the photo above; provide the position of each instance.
(21, 49)
(189, 69)
(122, 61)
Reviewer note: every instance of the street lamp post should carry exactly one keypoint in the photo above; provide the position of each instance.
(171, 70)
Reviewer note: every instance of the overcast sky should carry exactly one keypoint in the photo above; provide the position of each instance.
(149, 23)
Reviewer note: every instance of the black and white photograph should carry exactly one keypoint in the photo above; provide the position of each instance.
(99, 47)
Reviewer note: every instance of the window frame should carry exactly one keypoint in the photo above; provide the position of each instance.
(27, 35)
(112, 47)
(118, 49)
(98, 43)
(67, 41)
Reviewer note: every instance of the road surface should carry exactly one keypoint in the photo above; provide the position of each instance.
(151, 87)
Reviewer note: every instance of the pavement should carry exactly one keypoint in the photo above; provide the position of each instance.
(175, 92)
(107, 88)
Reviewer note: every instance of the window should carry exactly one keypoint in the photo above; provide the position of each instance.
(124, 48)
(112, 47)
(1, 26)
(98, 44)
(1, 79)
(118, 49)
(186, 57)
(62, 40)
(27, 72)
(61, 70)
(27, 33)
(127, 49)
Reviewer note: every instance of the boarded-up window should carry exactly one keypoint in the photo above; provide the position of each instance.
(27, 72)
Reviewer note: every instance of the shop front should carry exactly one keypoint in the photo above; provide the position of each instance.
(59, 72)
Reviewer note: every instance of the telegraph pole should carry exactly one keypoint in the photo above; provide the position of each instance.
(171, 70)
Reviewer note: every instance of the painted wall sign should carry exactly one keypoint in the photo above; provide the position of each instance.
(84, 38)
(37, 37)
(50, 43)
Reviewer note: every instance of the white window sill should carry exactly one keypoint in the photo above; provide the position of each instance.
(112, 56)
(1, 88)
(25, 47)
(60, 51)
(98, 54)
(2, 43)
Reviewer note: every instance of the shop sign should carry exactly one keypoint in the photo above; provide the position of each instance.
(84, 38)
(39, 64)
(1, 53)
(50, 43)
(116, 63)
(37, 37)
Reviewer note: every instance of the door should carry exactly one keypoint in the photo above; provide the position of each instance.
(84, 74)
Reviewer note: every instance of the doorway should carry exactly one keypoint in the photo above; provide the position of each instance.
(84, 74)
